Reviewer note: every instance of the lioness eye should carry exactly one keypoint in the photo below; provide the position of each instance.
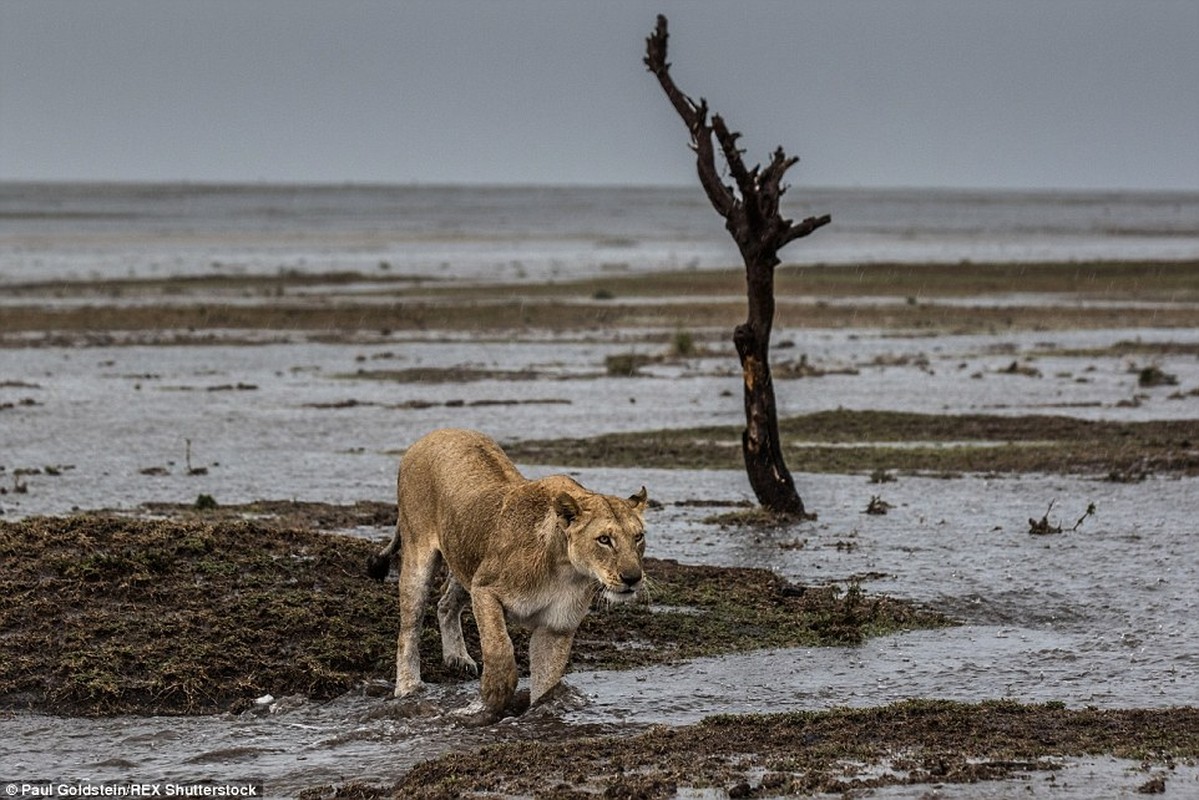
(640, 538)
(605, 540)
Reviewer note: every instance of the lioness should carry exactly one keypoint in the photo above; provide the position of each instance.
(535, 551)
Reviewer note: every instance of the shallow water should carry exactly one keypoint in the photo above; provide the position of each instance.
(1105, 615)
(297, 420)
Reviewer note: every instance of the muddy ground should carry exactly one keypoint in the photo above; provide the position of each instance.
(913, 743)
(199, 608)
(204, 612)
(879, 441)
(918, 298)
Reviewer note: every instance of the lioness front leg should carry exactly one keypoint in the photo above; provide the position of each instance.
(498, 683)
(549, 651)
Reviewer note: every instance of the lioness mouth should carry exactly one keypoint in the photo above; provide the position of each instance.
(620, 594)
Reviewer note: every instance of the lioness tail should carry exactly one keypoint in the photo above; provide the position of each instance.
(378, 565)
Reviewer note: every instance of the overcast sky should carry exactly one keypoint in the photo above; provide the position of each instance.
(957, 93)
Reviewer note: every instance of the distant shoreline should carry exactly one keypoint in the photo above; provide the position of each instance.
(7, 185)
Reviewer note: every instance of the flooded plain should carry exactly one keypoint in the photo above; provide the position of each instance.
(1101, 614)
(1104, 615)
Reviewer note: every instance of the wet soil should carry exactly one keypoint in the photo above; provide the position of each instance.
(830, 298)
(1162, 280)
(840, 752)
(89, 321)
(189, 615)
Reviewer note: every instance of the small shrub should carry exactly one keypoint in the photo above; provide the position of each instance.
(683, 344)
(625, 365)
(881, 475)
(205, 502)
(1155, 376)
(878, 506)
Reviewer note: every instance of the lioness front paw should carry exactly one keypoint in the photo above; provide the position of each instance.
(497, 689)
(480, 715)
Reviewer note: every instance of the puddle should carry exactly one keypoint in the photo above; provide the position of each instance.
(292, 746)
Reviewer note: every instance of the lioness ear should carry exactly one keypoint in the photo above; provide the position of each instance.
(567, 508)
(639, 500)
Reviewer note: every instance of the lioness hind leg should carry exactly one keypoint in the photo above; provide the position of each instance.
(449, 619)
(416, 570)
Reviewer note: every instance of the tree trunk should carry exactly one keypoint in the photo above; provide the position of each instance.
(751, 212)
(764, 465)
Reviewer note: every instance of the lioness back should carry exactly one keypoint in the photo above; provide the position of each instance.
(448, 459)
(451, 486)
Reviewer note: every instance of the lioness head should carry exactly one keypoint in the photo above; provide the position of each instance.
(605, 539)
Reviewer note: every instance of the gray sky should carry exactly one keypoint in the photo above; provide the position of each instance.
(1026, 94)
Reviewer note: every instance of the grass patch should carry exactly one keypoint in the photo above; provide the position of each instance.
(1111, 280)
(1167, 280)
(844, 441)
(753, 517)
(105, 615)
(700, 611)
(1123, 348)
(626, 365)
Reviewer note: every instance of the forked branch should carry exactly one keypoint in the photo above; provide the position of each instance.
(751, 207)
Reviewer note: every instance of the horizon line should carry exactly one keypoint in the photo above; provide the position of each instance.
(264, 183)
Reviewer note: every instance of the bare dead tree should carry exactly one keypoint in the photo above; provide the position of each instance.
(750, 208)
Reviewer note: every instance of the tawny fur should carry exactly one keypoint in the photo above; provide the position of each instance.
(531, 552)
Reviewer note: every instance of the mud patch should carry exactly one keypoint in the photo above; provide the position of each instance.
(1123, 348)
(838, 751)
(107, 615)
(432, 375)
(420, 405)
(326, 517)
(879, 441)
(922, 297)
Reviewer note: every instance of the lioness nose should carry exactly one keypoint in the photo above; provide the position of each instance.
(630, 577)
